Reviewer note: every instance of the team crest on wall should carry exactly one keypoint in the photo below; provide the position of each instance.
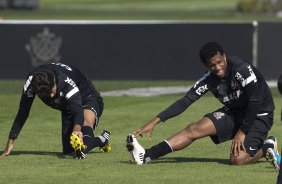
(44, 48)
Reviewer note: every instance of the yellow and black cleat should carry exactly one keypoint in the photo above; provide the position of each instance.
(107, 147)
(79, 148)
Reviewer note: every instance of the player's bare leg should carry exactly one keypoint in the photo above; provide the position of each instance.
(193, 131)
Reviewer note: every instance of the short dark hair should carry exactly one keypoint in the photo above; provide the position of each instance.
(208, 50)
(279, 84)
(42, 83)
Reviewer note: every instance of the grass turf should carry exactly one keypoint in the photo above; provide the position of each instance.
(137, 10)
(37, 158)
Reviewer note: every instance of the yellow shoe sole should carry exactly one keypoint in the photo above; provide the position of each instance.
(76, 143)
(106, 149)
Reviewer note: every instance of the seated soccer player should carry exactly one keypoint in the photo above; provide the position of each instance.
(245, 118)
(67, 89)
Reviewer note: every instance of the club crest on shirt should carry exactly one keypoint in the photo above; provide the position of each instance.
(44, 48)
(218, 115)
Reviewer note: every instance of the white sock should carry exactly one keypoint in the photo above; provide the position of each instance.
(103, 139)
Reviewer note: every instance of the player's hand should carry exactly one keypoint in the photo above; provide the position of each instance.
(147, 128)
(9, 147)
(238, 143)
(77, 131)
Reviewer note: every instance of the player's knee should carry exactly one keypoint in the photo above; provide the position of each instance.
(88, 123)
(238, 160)
(191, 130)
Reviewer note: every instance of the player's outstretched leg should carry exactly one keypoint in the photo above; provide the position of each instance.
(272, 154)
(106, 147)
(79, 148)
(142, 156)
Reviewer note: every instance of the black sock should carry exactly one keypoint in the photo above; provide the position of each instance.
(157, 151)
(265, 147)
(89, 140)
(88, 131)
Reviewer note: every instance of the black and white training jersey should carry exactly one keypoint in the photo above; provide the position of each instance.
(243, 89)
(72, 87)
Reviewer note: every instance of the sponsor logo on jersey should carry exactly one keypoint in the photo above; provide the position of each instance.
(232, 96)
(63, 65)
(244, 81)
(74, 90)
(70, 82)
(44, 48)
(200, 90)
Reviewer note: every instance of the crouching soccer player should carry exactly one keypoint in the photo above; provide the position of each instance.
(66, 89)
(245, 118)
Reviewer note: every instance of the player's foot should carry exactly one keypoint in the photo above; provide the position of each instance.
(79, 148)
(272, 154)
(272, 140)
(136, 151)
(107, 147)
(273, 157)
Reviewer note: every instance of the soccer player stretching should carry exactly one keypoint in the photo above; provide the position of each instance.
(245, 118)
(66, 89)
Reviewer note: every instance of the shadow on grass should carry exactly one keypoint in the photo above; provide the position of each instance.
(49, 153)
(191, 159)
(185, 159)
(36, 153)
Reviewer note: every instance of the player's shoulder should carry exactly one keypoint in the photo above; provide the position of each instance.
(237, 61)
(204, 78)
(238, 64)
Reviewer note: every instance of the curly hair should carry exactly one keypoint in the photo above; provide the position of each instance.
(208, 50)
(42, 83)
(279, 84)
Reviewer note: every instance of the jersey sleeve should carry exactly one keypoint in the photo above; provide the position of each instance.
(24, 109)
(195, 92)
(249, 84)
(74, 101)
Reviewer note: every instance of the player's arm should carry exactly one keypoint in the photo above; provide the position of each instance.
(199, 89)
(254, 100)
(22, 115)
(73, 97)
(173, 110)
(249, 84)
(178, 107)
(78, 115)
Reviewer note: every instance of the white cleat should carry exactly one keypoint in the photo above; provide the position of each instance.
(136, 151)
(272, 154)
(272, 140)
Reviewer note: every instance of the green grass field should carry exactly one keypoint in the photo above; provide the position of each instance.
(137, 10)
(37, 158)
